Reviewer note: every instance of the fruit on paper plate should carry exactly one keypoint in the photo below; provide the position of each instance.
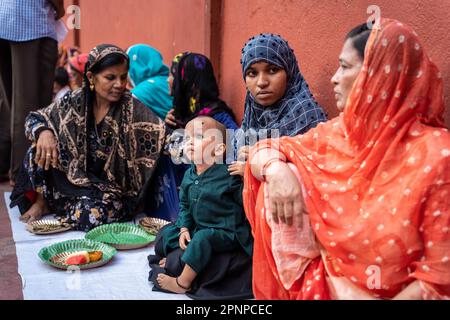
(83, 257)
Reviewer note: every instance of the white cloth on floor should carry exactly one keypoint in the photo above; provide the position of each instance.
(124, 277)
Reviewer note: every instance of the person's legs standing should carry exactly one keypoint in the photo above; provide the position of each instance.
(48, 56)
(33, 67)
(5, 108)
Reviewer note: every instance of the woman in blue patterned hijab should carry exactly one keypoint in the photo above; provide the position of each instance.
(294, 110)
(297, 111)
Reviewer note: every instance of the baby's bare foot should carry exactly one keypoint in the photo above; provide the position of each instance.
(170, 284)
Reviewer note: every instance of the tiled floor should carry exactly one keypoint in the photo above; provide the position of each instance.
(10, 282)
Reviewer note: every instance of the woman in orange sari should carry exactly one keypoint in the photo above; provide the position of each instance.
(359, 207)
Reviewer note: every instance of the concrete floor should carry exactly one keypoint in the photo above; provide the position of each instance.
(10, 282)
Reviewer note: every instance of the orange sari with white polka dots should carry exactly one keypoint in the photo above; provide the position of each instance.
(378, 183)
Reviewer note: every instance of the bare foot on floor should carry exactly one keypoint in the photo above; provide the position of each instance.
(170, 284)
(162, 263)
(37, 210)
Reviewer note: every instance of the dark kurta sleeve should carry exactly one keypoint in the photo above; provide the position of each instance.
(237, 186)
(51, 116)
(185, 218)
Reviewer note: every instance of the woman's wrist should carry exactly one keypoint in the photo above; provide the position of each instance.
(40, 130)
(271, 167)
(262, 158)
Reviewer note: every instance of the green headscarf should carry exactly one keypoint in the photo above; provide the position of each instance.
(148, 75)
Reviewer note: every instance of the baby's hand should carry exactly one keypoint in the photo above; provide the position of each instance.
(243, 153)
(237, 168)
(170, 118)
(184, 239)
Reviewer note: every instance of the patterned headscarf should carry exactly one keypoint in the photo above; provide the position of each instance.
(101, 51)
(176, 61)
(78, 62)
(297, 111)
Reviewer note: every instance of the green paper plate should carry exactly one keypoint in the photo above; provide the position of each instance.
(55, 254)
(122, 236)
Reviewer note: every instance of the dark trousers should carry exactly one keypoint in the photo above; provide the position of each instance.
(204, 242)
(27, 72)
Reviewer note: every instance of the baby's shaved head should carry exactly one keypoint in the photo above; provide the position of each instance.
(208, 123)
(205, 141)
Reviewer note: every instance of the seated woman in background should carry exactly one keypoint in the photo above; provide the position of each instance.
(76, 70)
(278, 97)
(65, 54)
(148, 76)
(195, 92)
(375, 180)
(173, 71)
(89, 161)
(163, 192)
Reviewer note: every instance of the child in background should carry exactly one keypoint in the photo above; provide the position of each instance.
(211, 217)
(60, 84)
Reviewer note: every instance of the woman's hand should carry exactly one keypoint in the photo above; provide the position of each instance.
(46, 150)
(184, 239)
(284, 191)
(285, 195)
(237, 168)
(170, 118)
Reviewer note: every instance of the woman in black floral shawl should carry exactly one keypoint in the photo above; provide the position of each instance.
(93, 151)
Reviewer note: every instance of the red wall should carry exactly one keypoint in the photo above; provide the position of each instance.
(314, 28)
(170, 26)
